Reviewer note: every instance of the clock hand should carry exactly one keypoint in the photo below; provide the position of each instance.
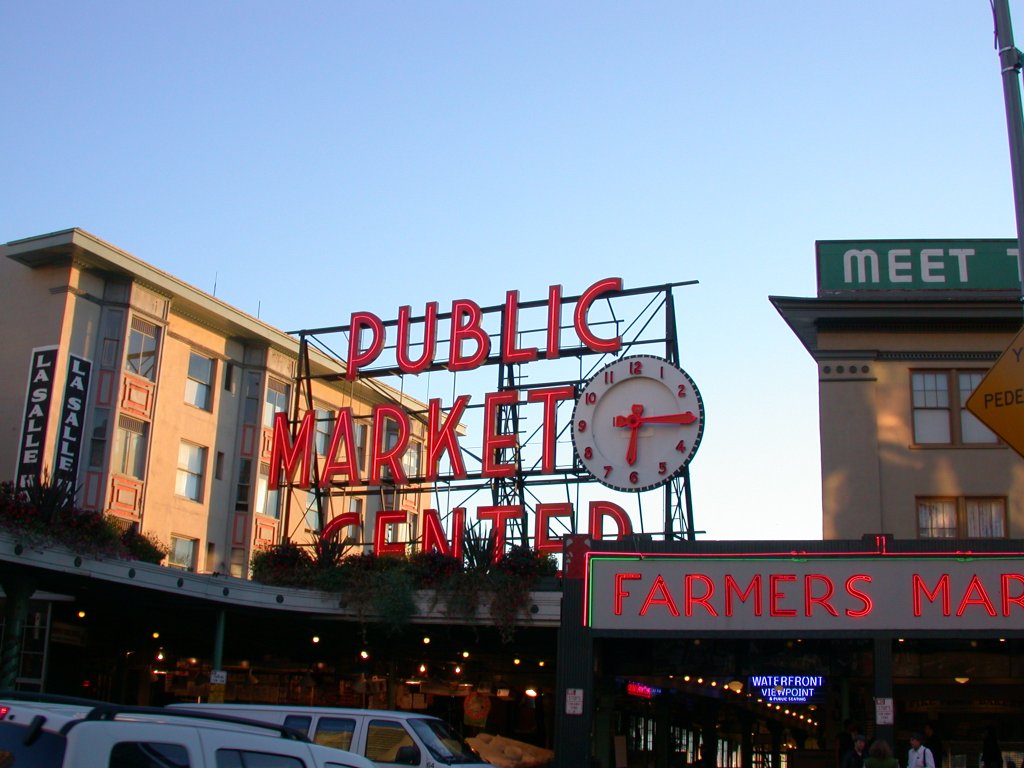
(631, 452)
(633, 422)
(670, 418)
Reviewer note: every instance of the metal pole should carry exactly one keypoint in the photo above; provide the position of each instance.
(1009, 65)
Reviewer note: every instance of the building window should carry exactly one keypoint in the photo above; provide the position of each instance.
(191, 467)
(940, 415)
(182, 552)
(130, 447)
(268, 500)
(362, 438)
(963, 517)
(251, 406)
(244, 485)
(238, 566)
(98, 439)
(411, 459)
(276, 401)
(112, 322)
(324, 428)
(142, 349)
(199, 384)
(314, 519)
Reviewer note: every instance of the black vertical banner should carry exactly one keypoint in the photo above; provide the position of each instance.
(72, 422)
(37, 412)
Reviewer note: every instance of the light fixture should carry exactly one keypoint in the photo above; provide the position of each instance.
(426, 641)
(458, 670)
(736, 686)
(423, 669)
(364, 654)
(465, 654)
(316, 639)
(962, 680)
(516, 662)
(160, 654)
(541, 663)
(156, 635)
(81, 614)
(531, 692)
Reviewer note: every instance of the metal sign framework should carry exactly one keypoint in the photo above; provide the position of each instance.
(644, 318)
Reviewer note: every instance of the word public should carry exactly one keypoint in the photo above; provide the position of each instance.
(469, 343)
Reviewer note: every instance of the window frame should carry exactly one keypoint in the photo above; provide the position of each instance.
(275, 400)
(140, 358)
(131, 446)
(323, 427)
(961, 511)
(201, 396)
(180, 491)
(954, 408)
(191, 564)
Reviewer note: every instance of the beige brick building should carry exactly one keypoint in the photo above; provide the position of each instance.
(157, 401)
(902, 333)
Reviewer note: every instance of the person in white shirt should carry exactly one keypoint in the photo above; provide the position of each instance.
(919, 756)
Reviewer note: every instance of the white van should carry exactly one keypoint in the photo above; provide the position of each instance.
(383, 736)
(97, 735)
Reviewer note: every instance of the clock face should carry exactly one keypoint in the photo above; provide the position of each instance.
(637, 423)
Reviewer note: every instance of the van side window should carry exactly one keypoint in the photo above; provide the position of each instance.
(334, 732)
(384, 738)
(298, 723)
(148, 754)
(243, 758)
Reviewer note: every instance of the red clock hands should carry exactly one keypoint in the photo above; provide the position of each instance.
(636, 418)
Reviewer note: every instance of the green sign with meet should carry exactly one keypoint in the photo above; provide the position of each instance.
(846, 266)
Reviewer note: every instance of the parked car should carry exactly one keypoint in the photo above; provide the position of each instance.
(383, 736)
(64, 733)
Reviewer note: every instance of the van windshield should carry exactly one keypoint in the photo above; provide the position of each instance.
(442, 744)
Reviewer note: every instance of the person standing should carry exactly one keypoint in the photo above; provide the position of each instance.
(880, 756)
(844, 741)
(991, 754)
(919, 755)
(934, 743)
(855, 757)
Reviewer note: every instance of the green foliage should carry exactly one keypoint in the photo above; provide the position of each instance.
(44, 513)
(478, 549)
(143, 546)
(286, 565)
(381, 589)
(50, 499)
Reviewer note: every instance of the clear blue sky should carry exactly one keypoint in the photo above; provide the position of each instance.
(316, 158)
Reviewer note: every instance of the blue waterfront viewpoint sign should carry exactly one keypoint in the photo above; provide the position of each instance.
(854, 266)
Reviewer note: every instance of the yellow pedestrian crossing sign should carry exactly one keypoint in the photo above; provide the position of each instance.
(998, 401)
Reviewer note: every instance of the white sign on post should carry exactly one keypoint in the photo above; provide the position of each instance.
(884, 712)
(574, 701)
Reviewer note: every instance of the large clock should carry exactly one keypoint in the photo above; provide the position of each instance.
(637, 422)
